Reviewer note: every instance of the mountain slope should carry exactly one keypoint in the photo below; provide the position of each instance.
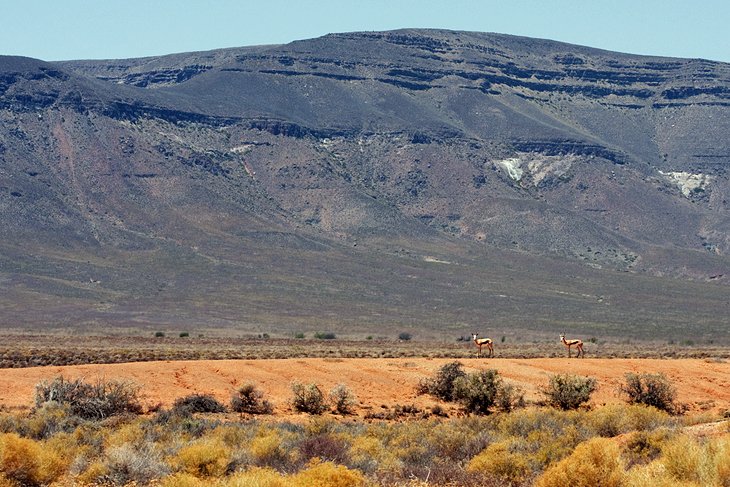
(367, 180)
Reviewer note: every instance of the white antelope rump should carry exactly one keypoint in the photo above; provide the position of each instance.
(569, 343)
(480, 342)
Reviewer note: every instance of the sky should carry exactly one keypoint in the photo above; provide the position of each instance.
(113, 29)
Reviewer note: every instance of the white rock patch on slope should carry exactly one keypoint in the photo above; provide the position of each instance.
(537, 166)
(688, 182)
(512, 166)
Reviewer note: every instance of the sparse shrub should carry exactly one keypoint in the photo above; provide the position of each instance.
(497, 460)
(253, 477)
(477, 392)
(616, 419)
(567, 391)
(643, 447)
(90, 401)
(342, 399)
(651, 390)
(198, 403)
(299, 336)
(327, 474)
(129, 463)
(325, 335)
(159, 334)
(326, 447)
(509, 397)
(49, 419)
(204, 458)
(438, 410)
(250, 400)
(404, 336)
(182, 479)
(595, 463)
(308, 398)
(27, 462)
(442, 385)
(267, 450)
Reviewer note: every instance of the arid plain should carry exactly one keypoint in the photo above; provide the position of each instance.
(703, 385)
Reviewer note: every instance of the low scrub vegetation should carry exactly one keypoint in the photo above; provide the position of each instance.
(543, 446)
(651, 390)
(90, 401)
(198, 403)
(308, 398)
(490, 443)
(567, 391)
(249, 399)
(479, 392)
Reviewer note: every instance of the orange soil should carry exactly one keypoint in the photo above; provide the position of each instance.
(701, 384)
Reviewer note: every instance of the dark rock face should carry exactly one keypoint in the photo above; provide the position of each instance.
(277, 161)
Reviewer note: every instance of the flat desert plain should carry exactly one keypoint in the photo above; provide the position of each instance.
(380, 383)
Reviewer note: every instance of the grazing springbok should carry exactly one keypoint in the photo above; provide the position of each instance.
(569, 343)
(480, 342)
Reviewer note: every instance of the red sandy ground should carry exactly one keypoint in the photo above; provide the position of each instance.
(701, 384)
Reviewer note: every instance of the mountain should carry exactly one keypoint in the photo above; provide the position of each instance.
(427, 180)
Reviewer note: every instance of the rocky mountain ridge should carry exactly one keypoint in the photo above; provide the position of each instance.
(410, 145)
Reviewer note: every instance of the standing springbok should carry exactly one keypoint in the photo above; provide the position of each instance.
(480, 342)
(569, 343)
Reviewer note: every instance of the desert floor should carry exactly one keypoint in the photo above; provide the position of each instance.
(703, 385)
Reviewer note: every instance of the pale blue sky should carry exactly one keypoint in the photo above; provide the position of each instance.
(86, 29)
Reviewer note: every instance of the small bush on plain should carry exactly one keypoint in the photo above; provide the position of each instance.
(478, 392)
(198, 403)
(442, 385)
(342, 399)
(250, 400)
(90, 401)
(308, 398)
(650, 390)
(567, 391)
(322, 335)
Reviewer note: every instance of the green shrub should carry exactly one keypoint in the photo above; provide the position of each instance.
(567, 391)
(650, 390)
(478, 392)
(198, 403)
(90, 401)
(442, 385)
(184, 334)
(159, 334)
(405, 336)
(342, 399)
(248, 399)
(308, 398)
(325, 335)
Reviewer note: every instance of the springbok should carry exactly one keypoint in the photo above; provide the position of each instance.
(480, 342)
(569, 343)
